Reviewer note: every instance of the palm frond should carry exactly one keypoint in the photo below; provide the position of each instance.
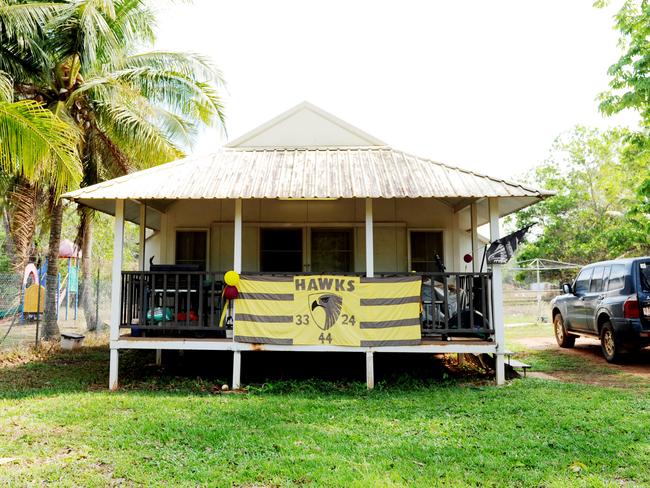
(30, 137)
(6, 88)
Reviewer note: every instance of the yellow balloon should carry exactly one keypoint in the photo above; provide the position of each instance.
(231, 278)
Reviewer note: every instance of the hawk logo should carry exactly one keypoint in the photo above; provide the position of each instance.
(331, 309)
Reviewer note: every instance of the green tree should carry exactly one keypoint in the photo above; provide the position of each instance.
(596, 177)
(134, 109)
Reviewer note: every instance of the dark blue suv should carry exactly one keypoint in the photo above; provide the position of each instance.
(609, 300)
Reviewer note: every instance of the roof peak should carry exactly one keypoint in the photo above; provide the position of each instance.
(305, 125)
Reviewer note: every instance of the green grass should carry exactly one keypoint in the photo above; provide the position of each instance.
(61, 426)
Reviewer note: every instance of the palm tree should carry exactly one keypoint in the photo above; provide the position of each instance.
(39, 149)
(133, 109)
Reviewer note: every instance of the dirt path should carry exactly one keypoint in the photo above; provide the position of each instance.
(637, 365)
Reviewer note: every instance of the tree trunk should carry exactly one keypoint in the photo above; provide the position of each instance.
(50, 325)
(9, 247)
(23, 201)
(86, 284)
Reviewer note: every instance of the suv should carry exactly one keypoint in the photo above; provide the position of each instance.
(609, 300)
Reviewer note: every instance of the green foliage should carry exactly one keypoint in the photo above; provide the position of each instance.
(630, 75)
(597, 212)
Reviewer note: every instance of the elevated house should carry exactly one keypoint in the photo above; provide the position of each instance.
(342, 243)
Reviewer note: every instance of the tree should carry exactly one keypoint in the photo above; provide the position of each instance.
(133, 109)
(596, 177)
(630, 75)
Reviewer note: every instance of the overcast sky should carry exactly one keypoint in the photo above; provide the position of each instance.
(483, 85)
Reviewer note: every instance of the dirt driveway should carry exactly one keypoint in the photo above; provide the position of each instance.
(584, 363)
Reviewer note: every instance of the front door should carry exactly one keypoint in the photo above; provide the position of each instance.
(281, 250)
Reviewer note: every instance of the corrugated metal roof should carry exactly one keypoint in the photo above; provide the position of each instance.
(367, 172)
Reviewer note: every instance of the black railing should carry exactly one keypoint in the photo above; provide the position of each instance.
(163, 300)
(453, 304)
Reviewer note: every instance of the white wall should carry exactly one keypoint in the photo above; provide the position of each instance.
(393, 219)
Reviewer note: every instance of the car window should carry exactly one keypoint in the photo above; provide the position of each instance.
(644, 269)
(597, 280)
(582, 281)
(616, 277)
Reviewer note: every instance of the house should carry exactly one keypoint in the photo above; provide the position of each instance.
(308, 196)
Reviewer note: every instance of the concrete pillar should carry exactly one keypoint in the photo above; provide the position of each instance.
(236, 369)
(370, 369)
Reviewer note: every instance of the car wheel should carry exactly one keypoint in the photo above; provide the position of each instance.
(609, 343)
(563, 339)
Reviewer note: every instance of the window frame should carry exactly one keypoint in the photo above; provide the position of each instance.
(207, 242)
(350, 230)
(443, 235)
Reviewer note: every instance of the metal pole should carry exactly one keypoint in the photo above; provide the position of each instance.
(67, 293)
(58, 293)
(38, 310)
(76, 293)
(539, 294)
(97, 301)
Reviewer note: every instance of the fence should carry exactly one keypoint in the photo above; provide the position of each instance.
(523, 305)
(20, 328)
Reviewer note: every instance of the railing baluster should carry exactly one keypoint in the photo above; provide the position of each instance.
(188, 304)
(212, 280)
(445, 279)
(176, 298)
(459, 305)
(470, 288)
(200, 291)
(164, 300)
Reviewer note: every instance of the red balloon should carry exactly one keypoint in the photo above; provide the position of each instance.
(467, 258)
(230, 292)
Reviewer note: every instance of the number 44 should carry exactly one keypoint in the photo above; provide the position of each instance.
(322, 338)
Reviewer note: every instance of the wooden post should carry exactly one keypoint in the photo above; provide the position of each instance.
(473, 210)
(370, 251)
(236, 369)
(370, 369)
(238, 232)
(497, 298)
(158, 357)
(116, 289)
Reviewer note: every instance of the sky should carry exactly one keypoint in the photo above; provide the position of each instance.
(483, 85)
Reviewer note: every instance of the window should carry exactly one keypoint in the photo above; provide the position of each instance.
(597, 280)
(644, 277)
(192, 248)
(582, 281)
(616, 277)
(281, 250)
(331, 250)
(424, 247)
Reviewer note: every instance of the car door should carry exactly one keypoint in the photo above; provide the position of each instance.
(591, 300)
(575, 318)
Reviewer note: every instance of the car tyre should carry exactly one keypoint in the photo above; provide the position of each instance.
(561, 336)
(609, 343)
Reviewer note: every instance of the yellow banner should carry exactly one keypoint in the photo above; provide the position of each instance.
(328, 309)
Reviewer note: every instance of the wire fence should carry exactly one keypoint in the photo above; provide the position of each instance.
(527, 305)
(21, 324)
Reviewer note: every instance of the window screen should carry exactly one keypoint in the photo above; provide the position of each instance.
(582, 282)
(332, 250)
(424, 247)
(192, 248)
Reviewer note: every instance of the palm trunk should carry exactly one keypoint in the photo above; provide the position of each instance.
(9, 247)
(86, 288)
(23, 202)
(50, 325)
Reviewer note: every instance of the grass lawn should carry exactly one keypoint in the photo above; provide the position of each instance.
(59, 425)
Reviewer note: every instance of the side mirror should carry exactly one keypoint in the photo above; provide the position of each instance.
(566, 288)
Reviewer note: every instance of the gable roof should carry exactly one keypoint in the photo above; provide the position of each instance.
(242, 170)
(305, 126)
